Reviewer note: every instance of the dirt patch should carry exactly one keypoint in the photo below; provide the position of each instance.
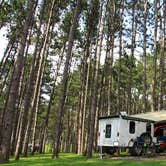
(140, 158)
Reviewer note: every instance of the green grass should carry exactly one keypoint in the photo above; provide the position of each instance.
(68, 159)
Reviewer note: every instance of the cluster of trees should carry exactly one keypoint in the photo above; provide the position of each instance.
(69, 62)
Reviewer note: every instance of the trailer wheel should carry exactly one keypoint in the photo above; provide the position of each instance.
(146, 138)
(136, 150)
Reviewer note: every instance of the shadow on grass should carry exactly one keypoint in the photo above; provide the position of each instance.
(68, 159)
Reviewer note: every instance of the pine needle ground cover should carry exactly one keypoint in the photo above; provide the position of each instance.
(68, 159)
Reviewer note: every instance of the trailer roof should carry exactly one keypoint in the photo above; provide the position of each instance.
(155, 116)
(128, 118)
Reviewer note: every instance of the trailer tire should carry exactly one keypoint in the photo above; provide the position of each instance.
(146, 138)
(136, 150)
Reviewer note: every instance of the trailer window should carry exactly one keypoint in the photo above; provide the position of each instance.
(108, 131)
(132, 127)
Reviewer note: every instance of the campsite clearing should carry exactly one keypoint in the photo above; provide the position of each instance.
(68, 159)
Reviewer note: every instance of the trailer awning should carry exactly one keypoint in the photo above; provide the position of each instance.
(156, 116)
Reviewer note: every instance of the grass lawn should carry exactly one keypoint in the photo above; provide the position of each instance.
(68, 159)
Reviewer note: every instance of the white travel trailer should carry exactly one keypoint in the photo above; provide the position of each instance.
(122, 131)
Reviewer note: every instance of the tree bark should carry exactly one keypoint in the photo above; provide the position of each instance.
(130, 84)
(22, 88)
(91, 26)
(30, 92)
(94, 94)
(111, 22)
(119, 108)
(162, 63)
(37, 84)
(154, 104)
(144, 97)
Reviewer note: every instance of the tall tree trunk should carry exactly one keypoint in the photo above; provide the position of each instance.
(83, 132)
(119, 108)
(80, 106)
(37, 85)
(134, 26)
(29, 97)
(144, 97)
(94, 94)
(35, 111)
(91, 26)
(22, 88)
(68, 132)
(111, 6)
(162, 63)
(16, 118)
(44, 131)
(100, 106)
(60, 108)
(83, 96)
(6, 129)
(154, 104)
